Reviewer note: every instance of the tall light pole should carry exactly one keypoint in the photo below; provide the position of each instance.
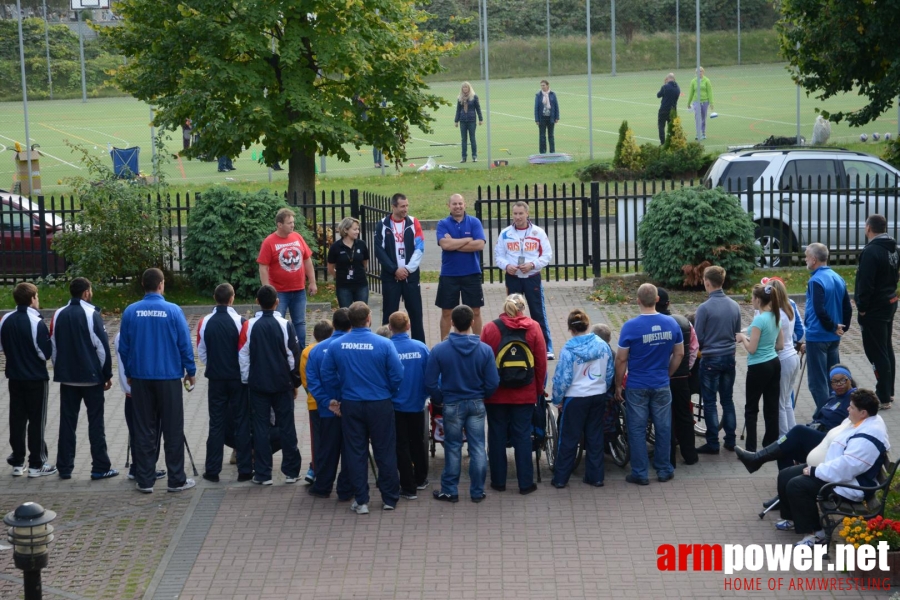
(698, 117)
(487, 84)
(612, 35)
(47, 46)
(24, 95)
(548, 39)
(677, 36)
(739, 29)
(81, 54)
(590, 85)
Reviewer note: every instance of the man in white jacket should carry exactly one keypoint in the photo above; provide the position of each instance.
(854, 457)
(522, 250)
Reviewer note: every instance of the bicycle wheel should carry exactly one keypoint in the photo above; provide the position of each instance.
(699, 420)
(618, 446)
(551, 442)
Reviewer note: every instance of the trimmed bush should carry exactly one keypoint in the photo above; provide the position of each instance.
(603, 171)
(891, 154)
(117, 234)
(675, 139)
(627, 154)
(225, 230)
(686, 230)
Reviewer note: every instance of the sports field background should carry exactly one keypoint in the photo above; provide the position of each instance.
(753, 102)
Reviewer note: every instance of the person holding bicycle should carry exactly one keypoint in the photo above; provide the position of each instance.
(581, 389)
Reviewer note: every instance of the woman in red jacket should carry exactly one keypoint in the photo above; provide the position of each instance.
(518, 344)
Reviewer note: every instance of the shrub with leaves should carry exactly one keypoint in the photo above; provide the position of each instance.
(891, 154)
(117, 233)
(627, 154)
(685, 228)
(225, 230)
(686, 161)
(675, 138)
(603, 171)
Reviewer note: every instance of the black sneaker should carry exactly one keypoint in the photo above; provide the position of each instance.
(211, 477)
(423, 485)
(729, 447)
(314, 494)
(632, 479)
(707, 449)
(477, 499)
(528, 490)
(439, 495)
(665, 478)
(245, 476)
(498, 488)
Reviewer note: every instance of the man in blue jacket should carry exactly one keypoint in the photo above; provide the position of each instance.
(460, 374)
(363, 373)
(328, 449)
(155, 345)
(26, 342)
(827, 318)
(83, 367)
(269, 356)
(409, 409)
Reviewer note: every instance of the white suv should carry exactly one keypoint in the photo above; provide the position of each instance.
(801, 196)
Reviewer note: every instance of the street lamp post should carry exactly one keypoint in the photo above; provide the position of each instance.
(30, 534)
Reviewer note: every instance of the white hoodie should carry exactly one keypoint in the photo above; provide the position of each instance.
(846, 459)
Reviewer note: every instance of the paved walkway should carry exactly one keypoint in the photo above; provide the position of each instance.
(231, 540)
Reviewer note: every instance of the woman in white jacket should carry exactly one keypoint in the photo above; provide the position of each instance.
(854, 457)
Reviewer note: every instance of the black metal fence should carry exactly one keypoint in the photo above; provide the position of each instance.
(593, 228)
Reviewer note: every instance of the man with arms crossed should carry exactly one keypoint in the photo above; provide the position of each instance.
(461, 237)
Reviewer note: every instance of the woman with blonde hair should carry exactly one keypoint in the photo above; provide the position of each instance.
(348, 259)
(582, 386)
(521, 355)
(790, 359)
(467, 108)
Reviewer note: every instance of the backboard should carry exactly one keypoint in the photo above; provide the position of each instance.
(89, 4)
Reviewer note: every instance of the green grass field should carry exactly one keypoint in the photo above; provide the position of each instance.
(753, 103)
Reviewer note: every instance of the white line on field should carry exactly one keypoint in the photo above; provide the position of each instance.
(45, 153)
(615, 133)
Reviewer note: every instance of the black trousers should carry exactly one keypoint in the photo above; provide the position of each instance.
(796, 445)
(581, 417)
(682, 419)
(28, 414)
(876, 339)
(510, 422)
(129, 422)
(391, 293)
(261, 405)
(328, 454)
(158, 405)
(228, 397)
(412, 458)
(531, 288)
(70, 398)
(545, 134)
(798, 498)
(763, 379)
(662, 119)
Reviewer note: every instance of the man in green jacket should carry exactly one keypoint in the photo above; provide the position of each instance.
(703, 103)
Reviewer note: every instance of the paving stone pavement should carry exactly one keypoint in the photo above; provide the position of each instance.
(231, 540)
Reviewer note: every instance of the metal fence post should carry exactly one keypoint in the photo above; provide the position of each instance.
(42, 218)
(354, 204)
(595, 228)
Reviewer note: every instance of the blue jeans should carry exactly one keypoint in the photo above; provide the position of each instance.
(296, 303)
(468, 128)
(640, 406)
(347, 295)
(468, 414)
(377, 156)
(717, 376)
(820, 357)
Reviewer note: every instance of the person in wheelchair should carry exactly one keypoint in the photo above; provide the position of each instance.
(582, 383)
(854, 456)
(794, 446)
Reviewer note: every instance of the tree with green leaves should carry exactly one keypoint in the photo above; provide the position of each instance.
(300, 77)
(840, 46)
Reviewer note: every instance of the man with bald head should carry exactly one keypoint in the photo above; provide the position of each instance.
(669, 92)
(461, 238)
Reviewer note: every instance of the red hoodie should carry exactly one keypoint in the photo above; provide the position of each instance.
(534, 337)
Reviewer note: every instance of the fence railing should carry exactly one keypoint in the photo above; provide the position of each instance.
(593, 228)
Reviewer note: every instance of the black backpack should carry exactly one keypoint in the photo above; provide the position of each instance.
(515, 361)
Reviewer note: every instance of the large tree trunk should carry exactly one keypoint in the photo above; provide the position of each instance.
(302, 180)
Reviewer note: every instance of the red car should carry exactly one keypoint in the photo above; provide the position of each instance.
(20, 235)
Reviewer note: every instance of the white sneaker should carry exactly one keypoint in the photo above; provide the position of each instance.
(188, 484)
(259, 482)
(291, 479)
(388, 506)
(138, 487)
(551, 356)
(360, 509)
(43, 471)
(18, 470)
(810, 540)
(160, 474)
